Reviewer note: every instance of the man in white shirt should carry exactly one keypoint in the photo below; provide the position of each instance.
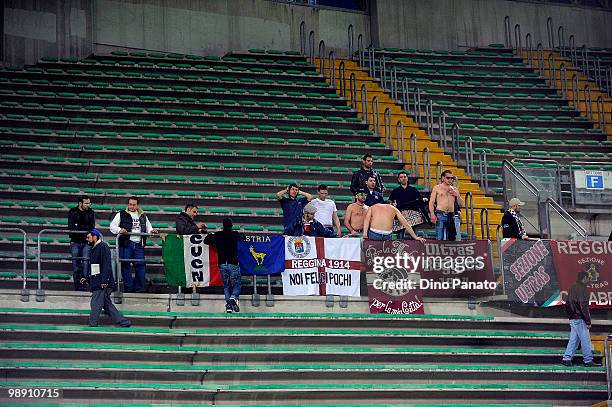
(131, 248)
(326, 212)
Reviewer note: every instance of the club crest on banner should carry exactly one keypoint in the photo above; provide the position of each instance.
(298, 246)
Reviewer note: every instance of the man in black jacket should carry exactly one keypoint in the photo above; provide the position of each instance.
(101, 281)
(577, 308)
(408, 200)
(360, 177)
(226, 242)
(512, 226)
(312, 227)
(81, 218)
(186, 224)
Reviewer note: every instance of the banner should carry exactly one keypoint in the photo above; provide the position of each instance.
(386, 293)
(188, 262)
(321, 266)
(539, 272)
(594, 257)
(261, 254)
(529, 272)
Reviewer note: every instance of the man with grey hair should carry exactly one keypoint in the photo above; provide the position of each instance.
(312, 227)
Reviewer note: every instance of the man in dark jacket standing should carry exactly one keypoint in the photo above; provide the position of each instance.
(512, 226)
(81, 218)
(186, 224)
(226, 242)
(360, 177)
(577, 308)
(101, 281)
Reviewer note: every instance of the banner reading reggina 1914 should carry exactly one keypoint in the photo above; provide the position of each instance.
(539, 272)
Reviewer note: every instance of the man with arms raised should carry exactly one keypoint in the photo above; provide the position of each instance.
(378, 223)
(293, 208)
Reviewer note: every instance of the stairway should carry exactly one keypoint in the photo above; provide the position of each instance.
(275, 359)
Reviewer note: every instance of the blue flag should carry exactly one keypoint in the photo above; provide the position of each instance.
(261, 254)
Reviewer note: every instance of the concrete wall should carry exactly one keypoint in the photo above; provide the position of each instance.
(33, 29)
(458, 24)
(218, 26)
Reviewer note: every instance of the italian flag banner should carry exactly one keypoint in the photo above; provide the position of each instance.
(188, 262)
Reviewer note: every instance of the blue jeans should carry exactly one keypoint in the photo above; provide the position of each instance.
(78, 266)
(458, 228)
(441, 230)
(135, 252)
(230, 288)
(378, 236)
(579, 334)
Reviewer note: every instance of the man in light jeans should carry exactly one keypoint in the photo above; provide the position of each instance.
(577, 308)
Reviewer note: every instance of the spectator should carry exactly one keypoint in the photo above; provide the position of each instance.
(442, 207)
(379, 221)
(131, 248)
(312, 227)
(326, 210)
(101, 281)
(409, 202)
(81, 218)
(355, 214)
(373, 197)
(577, 308)
(226, 242)
(360, 177)
(186, 224)
(292, 208)
(512, 225)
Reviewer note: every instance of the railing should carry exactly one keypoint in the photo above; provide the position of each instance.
(426, 168)
(25, 293)
(469, 156)
(563, 79)
(509, 170)
(483, 169)
(540, 56)
(414, 150)
(417, 107)
(550, 33)
(608, 356)
(364, 103)
(517, 38)
(529, 46)
(484, 224)
(442, 130)
(40, 293)
(575, 91)
(342, 78)
(557, 196)
(429, 116)
(439, 169)
(351, 41)
(322, 58)
(561, 37)
(388, 128)
(332, 67)
(552, 69)
(498, 238)
(375, 118)
(507, 30)
(303, 38)
(311, 42)
(469, 216)
(601, 114)
(353, 89)
(455, 142)
(400, 143)
(406, 95)
(571, 222)
(360, 50)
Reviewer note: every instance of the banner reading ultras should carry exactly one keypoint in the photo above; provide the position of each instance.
(539, 272)
(320, 266)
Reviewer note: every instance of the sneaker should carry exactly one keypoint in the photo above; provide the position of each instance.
(228, 309)
(566, 362)
(234, 304)
(592, 364)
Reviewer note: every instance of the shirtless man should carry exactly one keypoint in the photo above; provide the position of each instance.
(442, 204)
(355, 213)
(378, 223)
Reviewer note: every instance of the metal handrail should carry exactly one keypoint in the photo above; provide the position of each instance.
(371, 61)
(303, 38)
(550, 203)
(608, 355)
(498, 238)
(311, 42)
(601, 114)
(429, 116)
(399, 134)
(417, 107)
(426, 156)
(532, 189)
(342, 78)
(540, 51)
(484, 221)
(517, 39)
(360, 49)
(469, 214)
(550, 33)
(25, 294)
(572, 49)
(545, 161)
(483, 169)
(529, 45)
(588, 101)
(507, 30)
(119, 260)
(561, 37)
(394, 83)
(364, 103)
(322, 58)
(552, 66)
(439, 169)
(414, 162)
(575, 91)
(351, 41)
(40, 293)
(375, 118)
(387, 127)
(353, 90)
(442, 129)
(563, 79)
(332, 67)
(469, 156)
(455, 142)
